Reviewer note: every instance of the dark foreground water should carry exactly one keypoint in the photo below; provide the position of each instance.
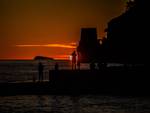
(73, 104)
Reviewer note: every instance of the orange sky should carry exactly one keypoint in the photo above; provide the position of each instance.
(49, 27)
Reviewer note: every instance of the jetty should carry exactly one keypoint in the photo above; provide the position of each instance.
(111, 81)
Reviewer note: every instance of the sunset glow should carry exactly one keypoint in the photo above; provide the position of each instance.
(50, 27)
(50, 45)
(62, 57)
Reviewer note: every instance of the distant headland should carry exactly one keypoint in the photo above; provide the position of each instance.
(42, 58)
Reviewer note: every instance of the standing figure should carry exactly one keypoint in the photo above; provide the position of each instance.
(56, 66)
(74, 60)
(92, 66)
(40, 69)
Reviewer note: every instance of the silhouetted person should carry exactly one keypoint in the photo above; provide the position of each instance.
(56, 67)
(99, 65)
(74, 60)
(34, 78)
(40, 69)
(92, 66)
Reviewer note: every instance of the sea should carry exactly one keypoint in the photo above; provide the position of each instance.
(25, 70)
(73, 104)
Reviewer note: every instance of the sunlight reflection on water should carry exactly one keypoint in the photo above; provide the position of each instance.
(73, 104)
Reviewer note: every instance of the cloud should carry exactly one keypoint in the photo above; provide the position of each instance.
(69, 46)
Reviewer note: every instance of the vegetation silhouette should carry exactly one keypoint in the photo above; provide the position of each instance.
(127, 35)
(126, 41)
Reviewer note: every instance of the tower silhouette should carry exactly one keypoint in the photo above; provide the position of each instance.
(88, 45)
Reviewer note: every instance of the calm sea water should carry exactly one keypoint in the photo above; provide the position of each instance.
(25, 70)
(73, 104)
(22, 71)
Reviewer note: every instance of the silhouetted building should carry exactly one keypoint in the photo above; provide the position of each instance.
(88, 49)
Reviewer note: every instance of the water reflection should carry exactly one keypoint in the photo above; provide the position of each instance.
(73, 104)
(56, 106)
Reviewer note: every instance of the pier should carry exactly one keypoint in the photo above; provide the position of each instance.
(109, 81)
